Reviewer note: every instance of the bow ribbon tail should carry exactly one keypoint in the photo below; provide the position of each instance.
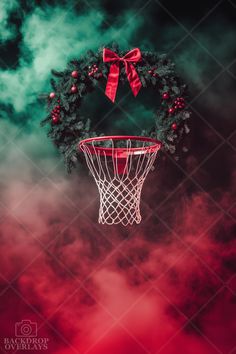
(112, 81)
(133, 78)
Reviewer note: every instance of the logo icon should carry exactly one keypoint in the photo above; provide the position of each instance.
(26, 328)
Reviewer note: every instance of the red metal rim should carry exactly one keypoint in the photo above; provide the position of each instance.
(120, 152)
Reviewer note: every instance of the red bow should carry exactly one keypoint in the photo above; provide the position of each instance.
(112, 82)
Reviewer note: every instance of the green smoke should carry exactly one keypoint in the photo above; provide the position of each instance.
(49, 35)
(7, 29)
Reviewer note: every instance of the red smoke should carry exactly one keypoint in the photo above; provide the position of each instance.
(164, 286)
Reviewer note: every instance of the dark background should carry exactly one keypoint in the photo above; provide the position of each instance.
(164, 286)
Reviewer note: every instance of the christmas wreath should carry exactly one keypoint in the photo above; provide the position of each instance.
(81, 77)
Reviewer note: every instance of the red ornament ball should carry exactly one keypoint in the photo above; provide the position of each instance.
(52, 95)
(75, 74)
(165, 95)
(171, 110)
(73, 89)
(174, 126)
(55, 119)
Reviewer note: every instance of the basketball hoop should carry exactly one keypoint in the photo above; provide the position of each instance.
(119, 165)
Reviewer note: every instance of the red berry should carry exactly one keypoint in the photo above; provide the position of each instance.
(179, 99)
(52, 95)
(174, 126)
(73, 89)
(171, 110)
(75, 74)
(149, 71)
(55, 119)
(165, 96)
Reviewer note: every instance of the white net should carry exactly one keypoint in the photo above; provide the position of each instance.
(119, 180)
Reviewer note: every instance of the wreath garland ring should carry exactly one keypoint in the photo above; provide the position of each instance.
(68, 127)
